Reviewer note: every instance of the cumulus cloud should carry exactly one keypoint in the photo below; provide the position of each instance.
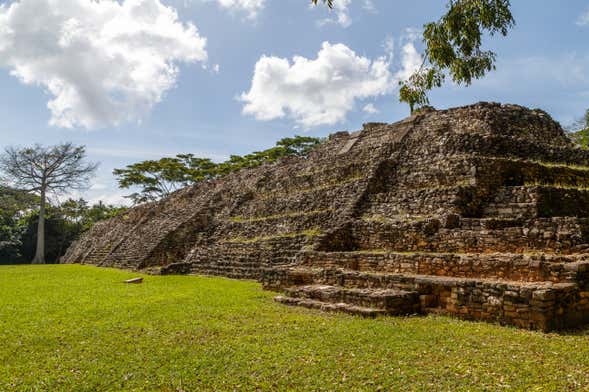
(103, 62)
(389, 46)
(317, 91)
(370, 109)
(584, 19)
(369, 6)
(411, 61)
(251, 7)
(342, 14)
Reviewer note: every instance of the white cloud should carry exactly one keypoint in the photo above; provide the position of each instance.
(112, 198)
(370, 109)
(251, 7)
(145, 154)
(104, 62)
(369, 6)
(411, 61)
(389, 46)
(584, 19)
(342, 15)
(317, 91)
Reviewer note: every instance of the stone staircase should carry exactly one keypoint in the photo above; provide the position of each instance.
(364, 302)
(557, 296)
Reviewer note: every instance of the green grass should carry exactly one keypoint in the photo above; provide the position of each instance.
(557, 185)
(561, 165)
(243, 219)
(327, 185)
(245, 240)
(75, 328)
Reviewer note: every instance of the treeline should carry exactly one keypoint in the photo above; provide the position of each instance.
(64, 222)
(158, 178)
(33, 228)
(579, 131)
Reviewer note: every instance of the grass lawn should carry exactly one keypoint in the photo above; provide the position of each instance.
(76, 328)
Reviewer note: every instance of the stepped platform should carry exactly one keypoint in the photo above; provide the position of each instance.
(479, 212)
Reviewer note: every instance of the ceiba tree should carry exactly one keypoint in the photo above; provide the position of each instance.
(46, 171)
(453, 46)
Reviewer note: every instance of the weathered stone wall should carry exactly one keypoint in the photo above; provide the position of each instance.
(555, 235)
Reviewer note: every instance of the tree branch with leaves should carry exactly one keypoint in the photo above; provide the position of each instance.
(453, 46)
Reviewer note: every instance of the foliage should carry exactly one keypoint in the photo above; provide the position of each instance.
(157, 179)
(64, 223)
(190, 333)
(46, 171)
(579, 131)
(453, 45)
(13, 205)
(328, 2)
(414, 90)
(85, 215)
(162, 177)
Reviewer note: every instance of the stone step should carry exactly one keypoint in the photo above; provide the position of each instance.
(393, 301)
(331, 307)
(278, 278)
(511, 210)
(412, 282)
(534, 305)
(505, 266)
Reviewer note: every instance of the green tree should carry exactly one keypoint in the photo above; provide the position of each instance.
(14, 204)
(453, 45)
(299, 145)
(79, 212)
(63, 224)
(46, 171)
(157, 179)
(579, 131)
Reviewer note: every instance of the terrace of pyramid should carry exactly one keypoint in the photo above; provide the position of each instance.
(480, 212)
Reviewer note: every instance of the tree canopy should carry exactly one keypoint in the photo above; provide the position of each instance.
(158, 178)
(453, 45)
(64, 223)
(14, 204)
(44, 171)
(579, 131)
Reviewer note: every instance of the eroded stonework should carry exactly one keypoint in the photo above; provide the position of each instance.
(481, 212)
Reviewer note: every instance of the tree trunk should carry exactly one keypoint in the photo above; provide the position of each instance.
(40, 252)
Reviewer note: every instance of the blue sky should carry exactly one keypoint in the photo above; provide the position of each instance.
(124, 116)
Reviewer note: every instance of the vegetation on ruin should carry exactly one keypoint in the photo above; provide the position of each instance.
(562, 164)
(399, 218)
(557, 185)
(580, 131)
(327, 185)
(243, 219)
(244, 240)
(68, 328)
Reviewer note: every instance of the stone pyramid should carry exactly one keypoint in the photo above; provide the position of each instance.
(481, 212)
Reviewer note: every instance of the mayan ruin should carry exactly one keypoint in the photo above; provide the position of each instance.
(479, 212)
